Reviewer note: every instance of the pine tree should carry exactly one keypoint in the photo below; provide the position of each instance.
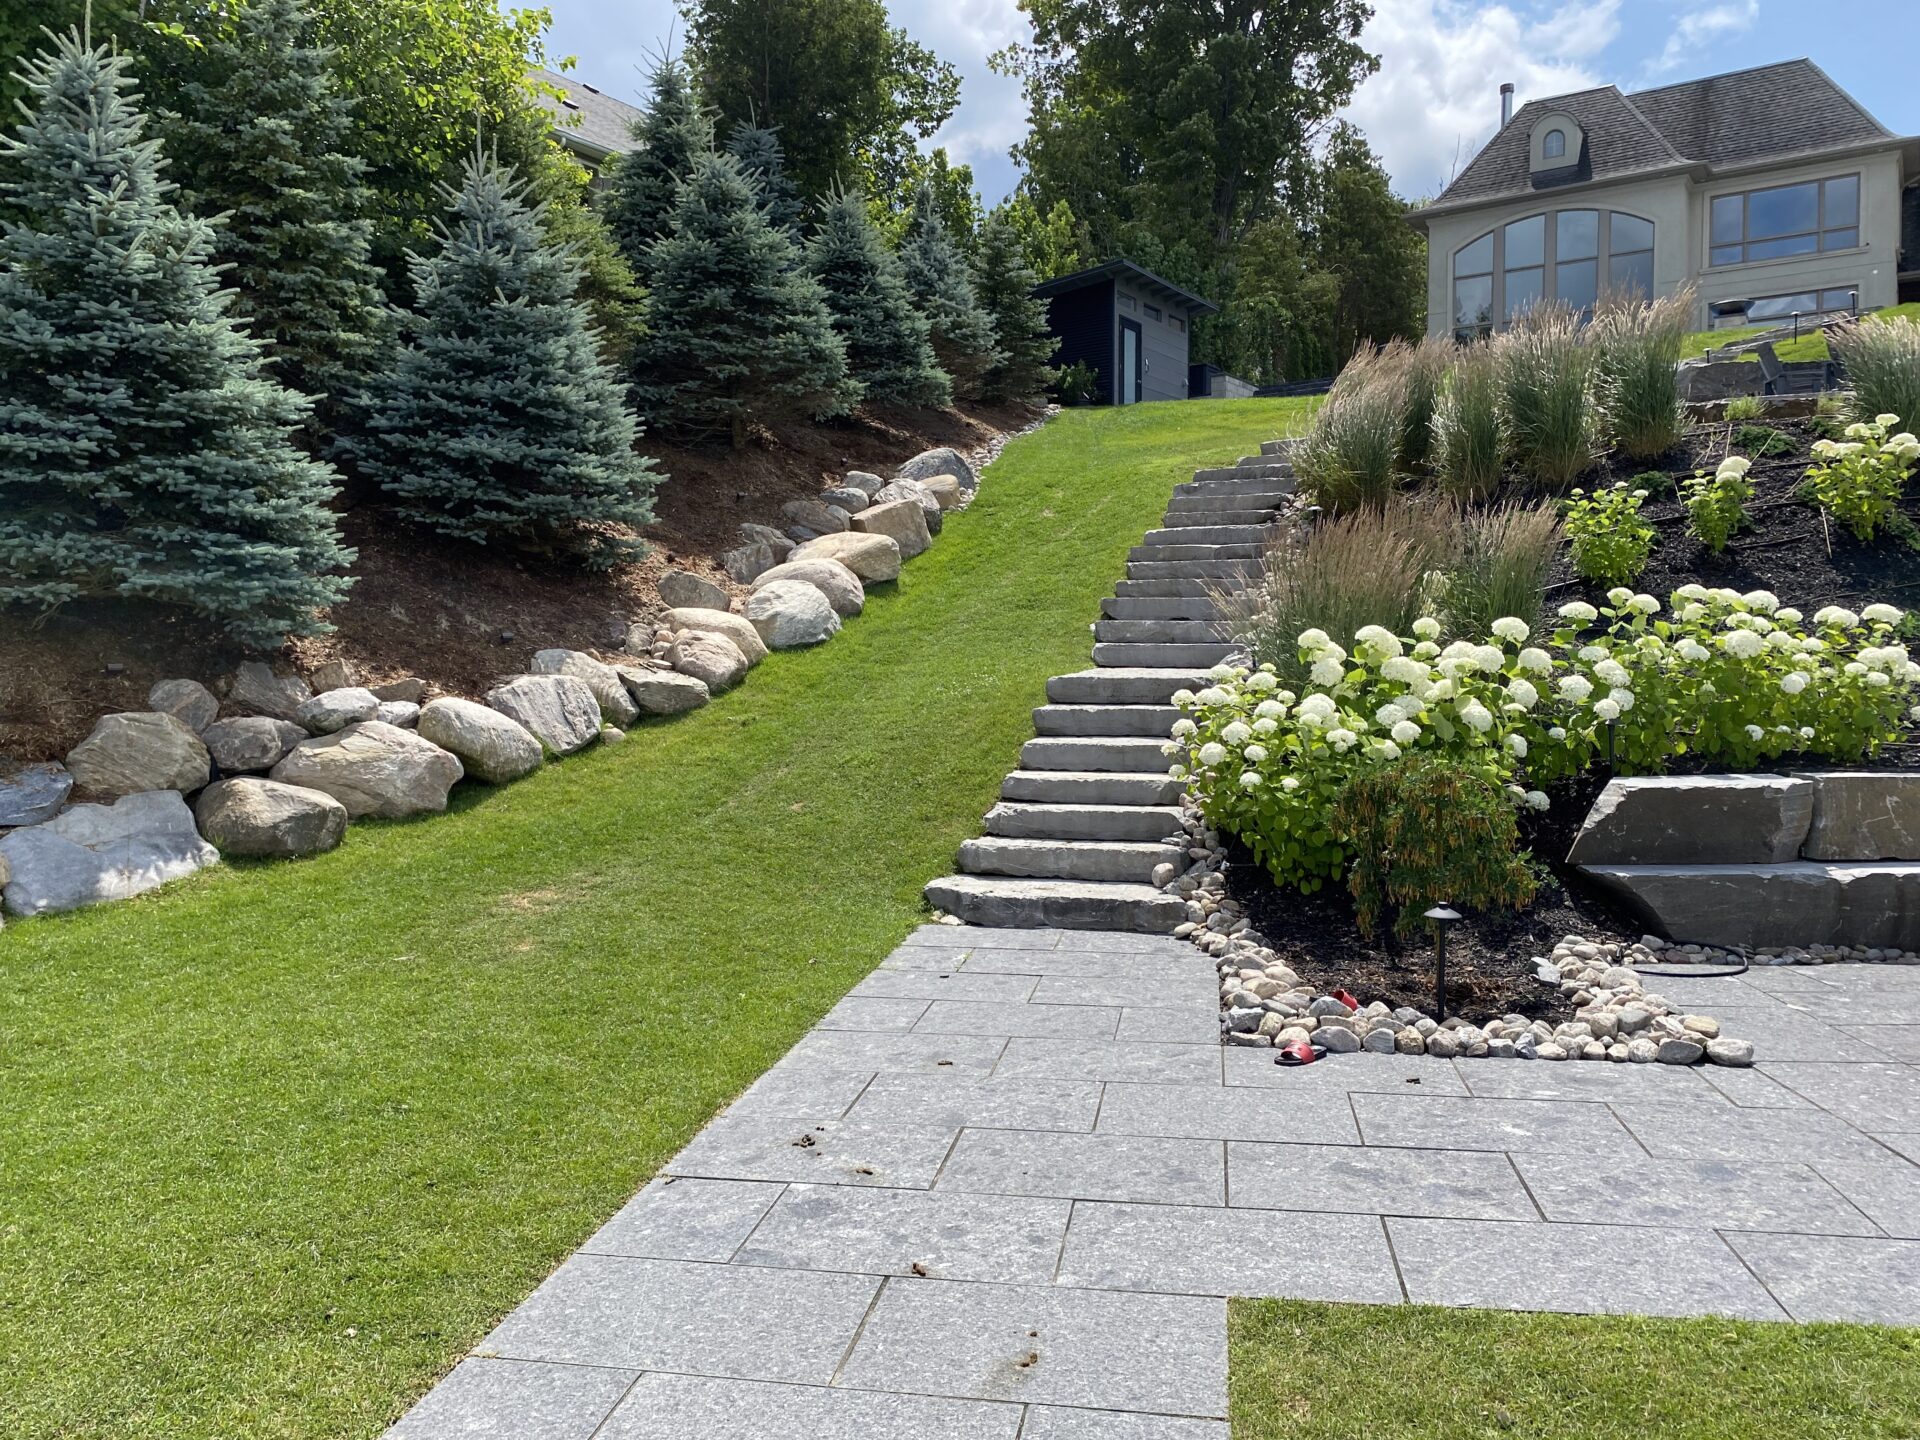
(1003, 282)
(757, 148)
(937, 276)
(144, 452)
(644, 183)
(888, 351)
(738, 330)
(499, 420)
(261, 136)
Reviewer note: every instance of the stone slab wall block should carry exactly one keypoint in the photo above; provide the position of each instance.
(374, 769)
(333, 675)
(1803, 902)
(139, 750)
(411, 689)
(709, 657)
(490, 746)
(33, 794)
(1696, 820)
(947, 490)
(923, 497)
(865, 481)
(790, 614)
(664, 692)
(1863, 815)
(403, 713)
(333, 710)
(248, 743)
(874, 558)
(849, 498)
(251, 816)
(736, 628)
(682, 589)
(942, 460)
(256, 690)
(815, 515)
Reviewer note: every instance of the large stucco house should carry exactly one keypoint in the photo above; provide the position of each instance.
(1770, 191)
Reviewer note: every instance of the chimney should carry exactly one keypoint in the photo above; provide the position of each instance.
(1506, 103)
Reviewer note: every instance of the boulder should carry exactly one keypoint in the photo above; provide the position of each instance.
(946, 489)
(790, 614)
(92, 853)
(839, 584)
(719, 622)
(710, 658)
(874, 558)
(815, 515)
(866, 482)
(746, 562)
(559, 709)
(943, 460)
(333, 710)
(33, 793)
(846, 497)
(403, 713)
(1719, 379)
(250, 742)
(903, 520)
(683, 589)
(256, 690)
(616, 706)
(412, 689)
(1802, 902)
(251, 816)
(139, 750)
(1695, 820)
(1863, 815)
(188, 701)
(752, 534)
(664, 692)
(913, 490)
(489, 746)
(333, 675)
(373, 769)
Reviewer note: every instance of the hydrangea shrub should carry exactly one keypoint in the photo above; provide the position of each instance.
(1862, 475)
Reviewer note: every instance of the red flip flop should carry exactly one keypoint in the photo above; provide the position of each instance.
(1299, 1052)
(1347, 1000)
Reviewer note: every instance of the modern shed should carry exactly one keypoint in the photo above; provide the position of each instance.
(1126, 324)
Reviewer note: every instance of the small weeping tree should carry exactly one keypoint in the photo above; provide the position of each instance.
(1004, 281)
(757, 148)
(644, 183)
(145, 453)
(943, 291)
(888, 351)
(499, 421)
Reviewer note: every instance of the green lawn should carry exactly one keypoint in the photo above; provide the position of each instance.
(1303, 1371)
(278, 1144)
(1811, 345)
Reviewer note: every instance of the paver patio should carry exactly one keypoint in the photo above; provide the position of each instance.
(967, 1206)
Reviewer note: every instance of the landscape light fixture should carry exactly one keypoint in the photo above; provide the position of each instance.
(1443, 918)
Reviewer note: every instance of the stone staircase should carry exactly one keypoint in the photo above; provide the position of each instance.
(1090, 813)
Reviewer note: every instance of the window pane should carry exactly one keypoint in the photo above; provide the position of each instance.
(1475, 259)
(1726, 254)
(1779, 307)
(1840, 240)
(1784, 210)
(1726, 220)
(1786, 245)
(1631, 275)
(1837, 299)
(1473, 300)
(1630, 232)
(1527, 242)
(1554, 145)
(1843, 201)
(1577, 234)
(1577, 283)
(1524, 289)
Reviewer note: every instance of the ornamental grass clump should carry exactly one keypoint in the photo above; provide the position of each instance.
(1717, 503)
(1609, 537)
(1861, 477)
(1637, 346)
(1425, 367)
(1469, 443)
(1350, 460)
(1546, 396)
(1499, 566)
(1882, 358)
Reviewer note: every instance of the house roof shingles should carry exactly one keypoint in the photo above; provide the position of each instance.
(605, 124)
(1769, 112)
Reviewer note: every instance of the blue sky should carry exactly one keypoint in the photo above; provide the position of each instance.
(1436, 98)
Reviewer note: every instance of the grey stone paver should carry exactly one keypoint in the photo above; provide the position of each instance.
(1028, 1231)
(1785, 1035)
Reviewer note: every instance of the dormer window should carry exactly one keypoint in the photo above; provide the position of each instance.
(1553, 146)
(1555, 143)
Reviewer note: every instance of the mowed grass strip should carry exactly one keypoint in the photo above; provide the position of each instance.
(1310, 1371)
(280, 1143)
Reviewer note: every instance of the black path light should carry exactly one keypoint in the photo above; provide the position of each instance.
(1443, 918)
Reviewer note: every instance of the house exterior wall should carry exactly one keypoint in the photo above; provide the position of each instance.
(1083, 322)
(1163, 348)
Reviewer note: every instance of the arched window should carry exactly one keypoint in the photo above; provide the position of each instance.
(1553, 145)
(1571, 256)
(1473, 288)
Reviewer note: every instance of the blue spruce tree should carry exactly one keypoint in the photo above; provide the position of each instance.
(644, 183)
(937, 275)
(757, 148)
(144, 453)
(1003, 283)
(886, 338)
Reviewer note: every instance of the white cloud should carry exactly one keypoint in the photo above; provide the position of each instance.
(992, 114)
(1697, 27)
(1436, 97)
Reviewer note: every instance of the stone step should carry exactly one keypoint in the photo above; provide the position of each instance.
(1264, 470)
(1147, 655)
(1271, 448)
(1282, 485)
(1208, 503)
(1163, 590)
(1089, 787)
(1160, 553)
(1803, 902)
(1057, 904)
(1133, 754)
(1140, 823)
(1243, 534)
(1116, 686)
(1150, 607)
(1066, 859)
(1254, 517)
(1159, 631)
(1192, 569)
(1151, 720)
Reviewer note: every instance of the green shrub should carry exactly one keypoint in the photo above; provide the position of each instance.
(1763, 442)
(1611, 540)
(1717, 503)
(1424, 834)
(1658, 484)
(1546, 396)
(1862, 475)
(1468, 439)
(1745, 407)
(1882, 357)
(1499, 565)
(1076, 384)
(1351, 458)
(1637, 347)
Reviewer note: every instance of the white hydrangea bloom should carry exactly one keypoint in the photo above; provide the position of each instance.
(1793, 683)
(1184, 729)
(1782, 640)
(1618, 596)
(1237, 733)
(1579, 610)
(1327, 671)
(1212, 695)
(1318, 705)
(1224, 671)
(1693, 613)
(1606, 709)
(1787, 615)
(1536, 660)
(1588, 654)
(1489, 657)
(1576, 687)
(1522, 693)
(1262, 681)
(1289, 783)
(1742, 644)
(1764, 601)
(1477, 715)
(1557, 733)
(1176, 772)
(1379, 637)
(1341, 738)
(1644, 605)
(1183, 698)
(1389, 714)
(1269, 709)
(1886, 421)
(1265, 726)
(1425, 650)
(1537, 800)
(1613, 672)
(1387, 750)
(1512, 628)
(1835, 615)
(1403, 671)
(1250, 780)
(1256, 754)
(1806, 732)
(1426, 628)
(1313, 640)
(1213, 753)
(1883, 614)
(1878, 678)
(1517, 744)
(1754, 732)
(1439, 690)
(1171, 748)
(1621, 696)
(1691, 592)
(1406, 732)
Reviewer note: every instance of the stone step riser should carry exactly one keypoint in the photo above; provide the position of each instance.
(1163, 590)
(1280, 485)
(1268, 471)
(1128, 754)
(1193, 607)
(1160, 632)
(1192, 569)
(1088, 787)
(1263, 505)
(1256, 535)
(1215, 519)
(1212, 554)
(1212, 653)
(1120, 687)
(1139, 824)
(1079, 905)
(1079, 721)
(1064, 859)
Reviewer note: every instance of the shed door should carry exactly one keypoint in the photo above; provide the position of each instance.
(1130, 362)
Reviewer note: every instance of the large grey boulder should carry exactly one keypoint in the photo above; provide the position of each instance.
(1802, 902)
(490, 746)
(256, 690)
(719, 622)
(33, 793)
(616, 706)
(1696, 820)
(373, 769)
(874, 558)
(756, 534)
(943, 460)
(333, 674)
(403, 713)
(839, 584)
(249, 743)
(790, 614)
(920, 495)
(664, 692)
(410, 689)
(188, 701)
(865, 481)
(251, 816)
(92, 853)
(815, 515)
(559, 709)
(946, 489)
(333, 710)
(744, 562)
(139, 750)
(712, 659)
(683, 589)
(902, 520)
(850, 498)
(1863, 815)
